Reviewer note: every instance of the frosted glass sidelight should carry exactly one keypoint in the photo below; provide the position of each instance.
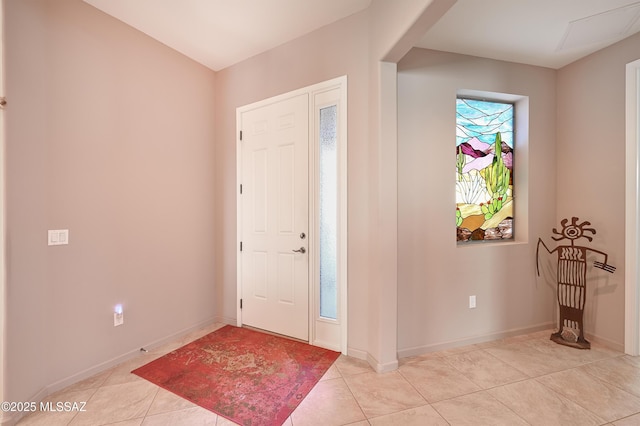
(328, 194)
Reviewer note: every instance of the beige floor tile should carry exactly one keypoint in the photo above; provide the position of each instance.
(457, 350)
(115, 403)
(330, 402)
(46, 419)
(92, 382)
(522, 338)
(540, 406)
(348, 366)
(528, 358)
(52, 417)
(599, 351)
(572, 357)
(543, 334)
(189, 417)
(332, 373)
(606, 401)
(436, 380)
(122, 373)
(132, 422)
(484, 369)
(419, 358)
(489, 344)
(568, 380)
(419, 416)
(477, 409)
(222, 421)
(166, 401)
(628, 421)
(383, 393)
(78, 398)
(633, 360)
(617, 371)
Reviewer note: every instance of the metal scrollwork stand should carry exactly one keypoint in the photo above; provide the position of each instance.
(572, 281)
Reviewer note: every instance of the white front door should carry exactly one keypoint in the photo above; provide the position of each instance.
(275, 217)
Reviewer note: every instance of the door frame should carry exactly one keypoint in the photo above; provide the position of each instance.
(632, 210)
(317, 326)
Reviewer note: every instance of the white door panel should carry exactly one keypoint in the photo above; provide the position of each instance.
(275, 212)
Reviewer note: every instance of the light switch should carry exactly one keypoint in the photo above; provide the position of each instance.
(472, 302)
(58, 237)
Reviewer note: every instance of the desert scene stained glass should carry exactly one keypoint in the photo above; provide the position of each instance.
(484, 170)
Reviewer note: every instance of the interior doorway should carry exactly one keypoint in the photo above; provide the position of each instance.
(292, 214)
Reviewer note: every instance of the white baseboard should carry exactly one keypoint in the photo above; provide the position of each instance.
(382, 368)
(436, 347)
(373, 362)
(227, 320)
(619, 347)
(357, 353)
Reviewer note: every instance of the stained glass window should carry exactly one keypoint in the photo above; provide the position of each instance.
(484, 170)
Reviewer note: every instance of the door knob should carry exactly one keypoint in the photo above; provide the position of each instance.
(301, 250)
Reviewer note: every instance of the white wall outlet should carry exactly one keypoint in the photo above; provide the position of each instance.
(472, 302)
(58, 237)
(118, 316)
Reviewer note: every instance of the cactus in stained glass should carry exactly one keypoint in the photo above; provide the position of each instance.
(497, 176)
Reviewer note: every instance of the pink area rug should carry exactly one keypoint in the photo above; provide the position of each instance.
(249, 377)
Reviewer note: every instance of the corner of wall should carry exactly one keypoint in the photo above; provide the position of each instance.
(382, 367)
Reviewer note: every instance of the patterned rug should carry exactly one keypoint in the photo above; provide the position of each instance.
(249, 377)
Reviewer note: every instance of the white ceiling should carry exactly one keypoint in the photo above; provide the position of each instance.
(220, 33)
(548, 33)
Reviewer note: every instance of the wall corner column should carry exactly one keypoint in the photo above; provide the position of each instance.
(384, 307)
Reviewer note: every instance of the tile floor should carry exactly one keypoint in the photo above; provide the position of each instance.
(526, 380)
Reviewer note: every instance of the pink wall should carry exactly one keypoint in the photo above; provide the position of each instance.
(109, 134)
(435, 276)
(591, 172)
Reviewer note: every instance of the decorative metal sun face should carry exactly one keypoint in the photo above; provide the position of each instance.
(573, 231)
